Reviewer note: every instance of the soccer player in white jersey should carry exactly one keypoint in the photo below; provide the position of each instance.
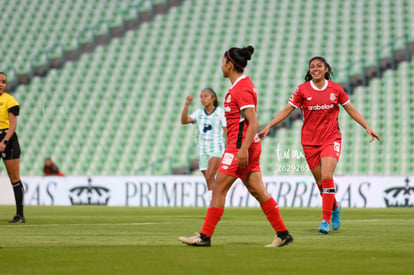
(319, 99)
(211, 124)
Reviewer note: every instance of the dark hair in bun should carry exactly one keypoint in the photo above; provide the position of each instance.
(239, 57)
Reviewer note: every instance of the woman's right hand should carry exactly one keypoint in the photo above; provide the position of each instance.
(2, 147)
(264, 132)
(188, 100)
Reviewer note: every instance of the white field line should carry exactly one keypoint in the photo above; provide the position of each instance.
(89, 224)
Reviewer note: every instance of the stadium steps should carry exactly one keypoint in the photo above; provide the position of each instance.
(363, 79)
(387, 104)
(387, 63)
(99, 34)
(154, 67)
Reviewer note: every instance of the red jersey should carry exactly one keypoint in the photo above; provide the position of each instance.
(320, 111)
(241, 95)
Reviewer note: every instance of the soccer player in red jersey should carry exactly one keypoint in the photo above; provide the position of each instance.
(319, 99)
(242, 155)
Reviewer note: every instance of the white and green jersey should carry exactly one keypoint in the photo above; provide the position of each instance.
(210, 126)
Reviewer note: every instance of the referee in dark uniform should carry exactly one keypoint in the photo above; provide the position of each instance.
(9, 145)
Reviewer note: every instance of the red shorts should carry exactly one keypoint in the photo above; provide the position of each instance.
(313, 154)
(228, 164)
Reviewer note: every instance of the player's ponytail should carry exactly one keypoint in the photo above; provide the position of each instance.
(239, 57)
(328, 74)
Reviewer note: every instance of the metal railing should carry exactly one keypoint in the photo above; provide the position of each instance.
(359, 65)
(391, 47)
(153, 166)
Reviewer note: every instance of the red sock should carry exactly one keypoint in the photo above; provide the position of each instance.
(335, 204)
(271, 210)
(328, 198)
(213, 216)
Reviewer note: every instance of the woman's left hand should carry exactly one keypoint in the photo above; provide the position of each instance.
(373, 135)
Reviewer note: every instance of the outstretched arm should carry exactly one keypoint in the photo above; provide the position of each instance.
(350, 109)
(281, 116)
(185, 119)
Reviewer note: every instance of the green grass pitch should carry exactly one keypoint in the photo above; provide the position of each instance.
(131, 240)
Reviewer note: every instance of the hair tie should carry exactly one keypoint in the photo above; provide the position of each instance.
(210, 91)
(231, 59)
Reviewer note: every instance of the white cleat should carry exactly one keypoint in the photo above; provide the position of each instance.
(278, 242)
(196, 240)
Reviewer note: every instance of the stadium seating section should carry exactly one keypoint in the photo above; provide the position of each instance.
(116, 111)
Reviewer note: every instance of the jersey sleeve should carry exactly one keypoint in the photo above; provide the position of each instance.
(194, 115)
(13, 106)
(296, 98)
(11, 102)
(246, 99)
(343, 97)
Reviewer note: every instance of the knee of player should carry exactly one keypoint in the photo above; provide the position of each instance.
(254, 193)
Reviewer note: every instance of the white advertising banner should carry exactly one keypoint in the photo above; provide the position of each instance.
(191, 191)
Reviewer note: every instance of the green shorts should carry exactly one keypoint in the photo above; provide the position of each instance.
(205, 158)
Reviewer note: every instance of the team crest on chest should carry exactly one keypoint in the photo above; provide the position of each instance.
(228, 100)
(332, 97)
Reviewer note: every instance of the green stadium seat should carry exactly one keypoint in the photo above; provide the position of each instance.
(139, 81)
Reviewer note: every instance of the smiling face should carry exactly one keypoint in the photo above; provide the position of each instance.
(317, 70)
(3, 82)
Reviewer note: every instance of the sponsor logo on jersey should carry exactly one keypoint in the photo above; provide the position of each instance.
(227, 109)
(332, 97)
(207, 127)
(320, 107)
(227, 159)
(292, 97)
(225, 167)
(337, 147)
